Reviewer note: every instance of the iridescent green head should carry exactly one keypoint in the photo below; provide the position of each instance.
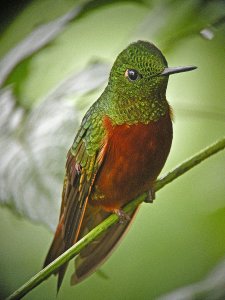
(138, 82)
(138, 71)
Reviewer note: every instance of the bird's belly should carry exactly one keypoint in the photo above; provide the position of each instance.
(134, 158)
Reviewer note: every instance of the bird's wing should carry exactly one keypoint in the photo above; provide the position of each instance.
(83, 162)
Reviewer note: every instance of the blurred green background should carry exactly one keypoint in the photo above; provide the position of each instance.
(54, 61)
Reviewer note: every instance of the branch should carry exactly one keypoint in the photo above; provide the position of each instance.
(112, 219)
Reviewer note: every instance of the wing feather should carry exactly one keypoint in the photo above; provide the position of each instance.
(81, 168)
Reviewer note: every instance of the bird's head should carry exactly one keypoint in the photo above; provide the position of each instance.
(141, 71)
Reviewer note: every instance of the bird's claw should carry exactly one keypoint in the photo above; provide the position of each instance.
(151, 196)
(123, 217)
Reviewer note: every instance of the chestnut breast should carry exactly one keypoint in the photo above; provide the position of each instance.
(133, 158)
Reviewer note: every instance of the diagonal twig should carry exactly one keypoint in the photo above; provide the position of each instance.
(112, 219)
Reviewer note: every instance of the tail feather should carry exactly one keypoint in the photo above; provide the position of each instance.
(56, 249)
(94, 255)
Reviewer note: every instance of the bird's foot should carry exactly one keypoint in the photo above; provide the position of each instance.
(123, 217)
(151, 196)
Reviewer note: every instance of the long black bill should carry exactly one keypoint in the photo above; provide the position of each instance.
(173, 70)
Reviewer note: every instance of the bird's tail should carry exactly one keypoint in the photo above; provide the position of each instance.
(91, 257)
(95, 254)
(56, 249)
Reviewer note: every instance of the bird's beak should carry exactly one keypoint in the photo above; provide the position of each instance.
(173, 70)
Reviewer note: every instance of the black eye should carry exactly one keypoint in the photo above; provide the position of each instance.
(132, 74)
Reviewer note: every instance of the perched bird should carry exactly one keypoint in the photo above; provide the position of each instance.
(121, 146)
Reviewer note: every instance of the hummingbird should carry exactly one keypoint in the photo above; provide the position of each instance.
(119, 150)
